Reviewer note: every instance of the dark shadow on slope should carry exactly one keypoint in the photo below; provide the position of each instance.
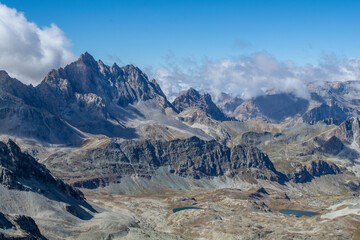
(280, 106)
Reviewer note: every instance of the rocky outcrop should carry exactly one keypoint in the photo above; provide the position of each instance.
(313, 169)
(20, 171)
(19, 227)
(191, 157)
(193, 99)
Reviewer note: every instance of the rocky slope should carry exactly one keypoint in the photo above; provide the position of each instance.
(34, 204)
(20, 171)
(191, 157)
(112, 162)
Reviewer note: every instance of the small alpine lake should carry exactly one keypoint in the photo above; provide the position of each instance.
(175, 210)
(299, 213)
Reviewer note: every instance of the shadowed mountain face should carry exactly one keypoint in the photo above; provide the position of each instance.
(281, 106)
(18, 227)
(22, 172)
(193, 99)
(275, 108)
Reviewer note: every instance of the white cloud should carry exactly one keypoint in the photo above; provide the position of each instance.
(251, 76)
(28, 52)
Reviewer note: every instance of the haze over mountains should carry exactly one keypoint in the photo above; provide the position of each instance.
(112, 132)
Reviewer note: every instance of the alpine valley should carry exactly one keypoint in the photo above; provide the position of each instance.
(99, 152)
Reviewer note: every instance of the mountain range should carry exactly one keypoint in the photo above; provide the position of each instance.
(90, 134)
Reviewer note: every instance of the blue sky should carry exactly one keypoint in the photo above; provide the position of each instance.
(240, 47)
(146, 33)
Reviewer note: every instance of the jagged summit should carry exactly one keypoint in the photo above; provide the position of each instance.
(3, 74)
(193, 93)
(86, 58)
(193, 99)
(86, 94)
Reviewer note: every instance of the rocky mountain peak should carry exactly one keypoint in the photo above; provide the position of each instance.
(87, 59)
(193, 93)
(6, 79)
(193, 99)
(3, 74)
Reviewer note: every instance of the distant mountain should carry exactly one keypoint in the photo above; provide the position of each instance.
(193, 99)
(330, 103)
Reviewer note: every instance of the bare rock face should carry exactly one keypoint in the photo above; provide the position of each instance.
(191, 157)
(22, 172)
(193, 99)
(313, 169)
(19, 227)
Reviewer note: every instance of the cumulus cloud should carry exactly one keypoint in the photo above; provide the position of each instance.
(27, 51)
(254, 75)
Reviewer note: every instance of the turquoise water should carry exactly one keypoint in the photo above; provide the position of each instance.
(299, 213)
(184, 208)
